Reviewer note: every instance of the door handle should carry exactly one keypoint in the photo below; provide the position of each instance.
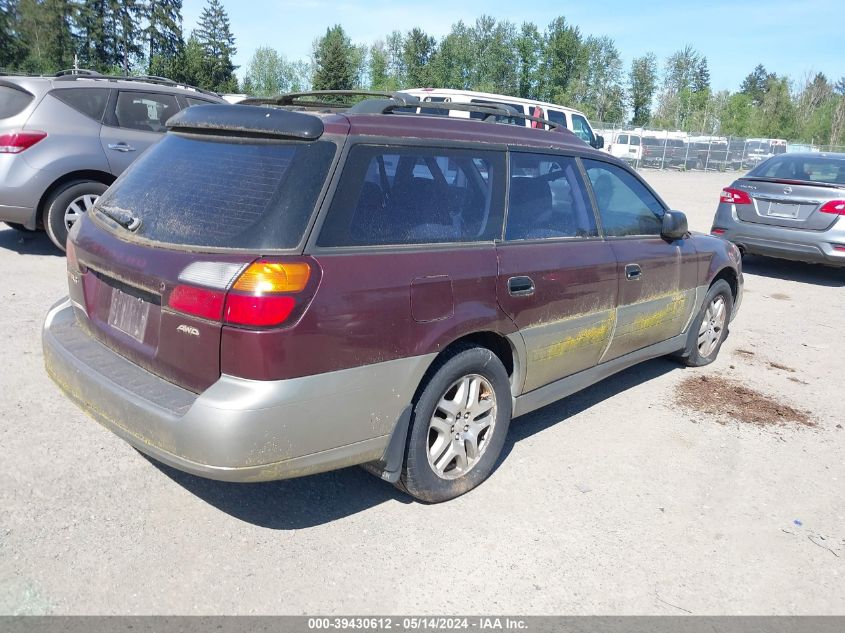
(521, 286)
(121, 147)
(633, 272)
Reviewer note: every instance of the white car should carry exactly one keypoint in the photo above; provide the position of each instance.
(571, 119)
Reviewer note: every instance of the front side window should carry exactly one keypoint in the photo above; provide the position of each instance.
(547, 199)
(625, 204)
(582, 128)
(416, 195)
(146, 111)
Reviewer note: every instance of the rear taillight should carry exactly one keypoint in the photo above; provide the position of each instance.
(205, 303)
(16, 142)
(734, 196)
(715, 231)
(837, 207)
(261, 294)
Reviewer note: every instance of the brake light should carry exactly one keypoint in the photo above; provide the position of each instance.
(837, 207)
(16, 142)
(734, 196)
(202, 302)
(715, 231)
(261, 294)
(259, 311)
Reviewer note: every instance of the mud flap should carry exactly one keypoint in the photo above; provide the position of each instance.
(389, 467)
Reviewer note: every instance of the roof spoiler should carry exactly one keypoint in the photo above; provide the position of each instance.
(241, 120)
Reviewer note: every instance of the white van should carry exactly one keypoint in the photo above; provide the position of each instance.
(627, 146)
(571, 119)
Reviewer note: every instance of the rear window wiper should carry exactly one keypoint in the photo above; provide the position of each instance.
(122, 217)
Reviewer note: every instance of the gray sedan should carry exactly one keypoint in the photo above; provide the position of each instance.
(790, 206)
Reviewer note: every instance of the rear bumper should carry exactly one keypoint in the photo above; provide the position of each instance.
(815, 247)
(21, 188)
(237, 430)
(18, 215)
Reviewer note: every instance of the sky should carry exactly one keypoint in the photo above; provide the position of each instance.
(789, 37)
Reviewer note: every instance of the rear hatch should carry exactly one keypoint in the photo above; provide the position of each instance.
(159, 267)
(793, 191)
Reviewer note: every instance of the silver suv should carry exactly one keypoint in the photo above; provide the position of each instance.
(64, 140)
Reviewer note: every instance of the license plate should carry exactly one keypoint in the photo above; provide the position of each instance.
(128, 314)
(780, 210)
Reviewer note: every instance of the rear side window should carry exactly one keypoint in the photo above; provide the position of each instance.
(89, 101)
(195, 191)
(557, 117)
(547, 199)
(13, 101)
(405, 195)
(626, 206)
(193, 102)
(145, 111)
(500, 119)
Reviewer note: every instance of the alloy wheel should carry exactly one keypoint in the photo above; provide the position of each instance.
(712, 325)
(461, 427)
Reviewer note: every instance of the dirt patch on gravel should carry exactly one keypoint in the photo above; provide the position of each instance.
(726, 398)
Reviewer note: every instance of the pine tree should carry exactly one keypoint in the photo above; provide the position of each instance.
(94, 50)
(335, 60)
(12, 48)
(215, 36)
(163, 35)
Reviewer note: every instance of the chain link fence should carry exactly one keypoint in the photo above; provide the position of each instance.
(682, 151)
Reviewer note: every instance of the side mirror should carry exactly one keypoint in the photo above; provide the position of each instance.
(599, 142)
(674, 226)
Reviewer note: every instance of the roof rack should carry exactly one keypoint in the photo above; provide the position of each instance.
(334, 101)
(80, 73)
(390, 103)
(491, 110)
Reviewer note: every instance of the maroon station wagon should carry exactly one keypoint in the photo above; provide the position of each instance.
(269, 293)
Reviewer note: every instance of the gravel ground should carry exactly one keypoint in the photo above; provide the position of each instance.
(613, 501)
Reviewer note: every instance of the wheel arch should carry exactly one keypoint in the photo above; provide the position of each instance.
(96, 175)
(729, 275)
(390, 465)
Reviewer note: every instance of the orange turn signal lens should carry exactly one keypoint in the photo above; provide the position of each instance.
(263, 277)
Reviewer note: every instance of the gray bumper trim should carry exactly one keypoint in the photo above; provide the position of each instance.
(237, 430)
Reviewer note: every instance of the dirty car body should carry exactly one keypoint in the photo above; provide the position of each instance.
(403, 243)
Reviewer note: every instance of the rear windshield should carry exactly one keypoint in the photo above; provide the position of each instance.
(13, 101)
(195, 191)
(810, 168)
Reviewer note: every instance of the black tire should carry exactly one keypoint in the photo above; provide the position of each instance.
(693, 356)
(60, 200)
(418, 477)
(20, 227)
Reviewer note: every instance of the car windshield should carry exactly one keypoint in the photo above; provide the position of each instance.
(224, 193)
(807, 168)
